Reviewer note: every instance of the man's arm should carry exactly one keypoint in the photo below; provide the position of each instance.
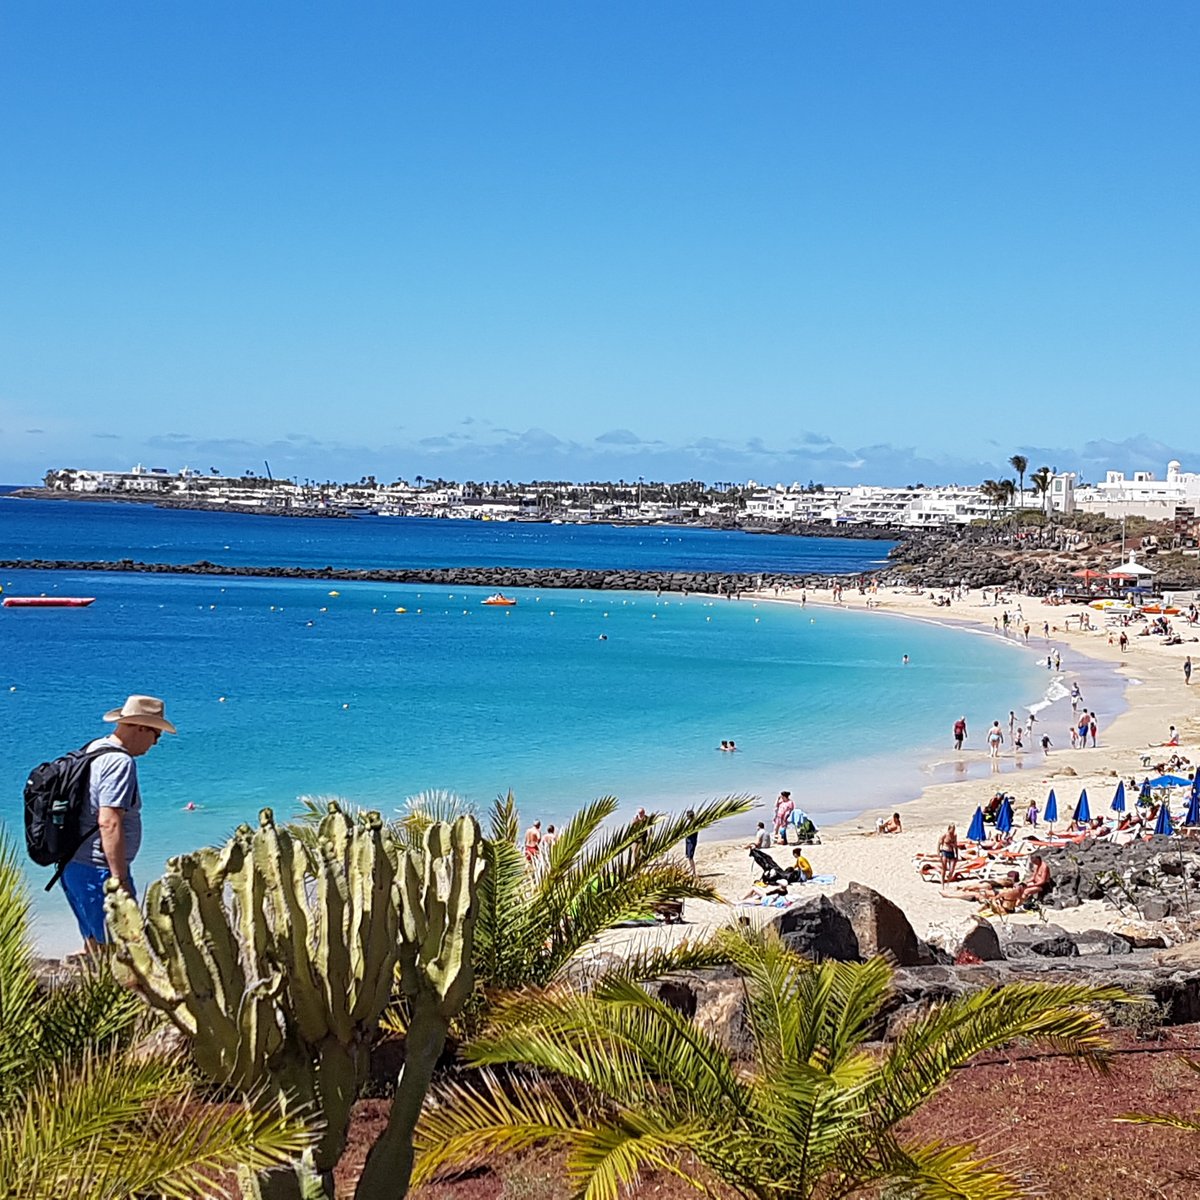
(112, 842)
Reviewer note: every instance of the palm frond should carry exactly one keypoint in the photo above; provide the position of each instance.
(462, 1125)
(90, 1012)
(505, 821)
(936, 1171)
(424, 809)
(583, 825)
(18, 985)
(110, 1128)
(1057, 1015)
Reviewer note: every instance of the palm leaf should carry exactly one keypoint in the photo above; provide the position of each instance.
(112, 1129)
(951, 1035)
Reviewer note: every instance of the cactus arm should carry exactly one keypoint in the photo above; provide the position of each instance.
(331, 955)
(388, 1169)
(135, 965)
(438, 911)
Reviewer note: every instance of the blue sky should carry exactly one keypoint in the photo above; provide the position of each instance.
(868, 242)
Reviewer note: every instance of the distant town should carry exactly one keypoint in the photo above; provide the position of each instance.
(1175, 498)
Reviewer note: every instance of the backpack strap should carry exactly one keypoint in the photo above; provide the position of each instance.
(86, 759)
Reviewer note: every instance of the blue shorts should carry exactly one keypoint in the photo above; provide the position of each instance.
(83, 884)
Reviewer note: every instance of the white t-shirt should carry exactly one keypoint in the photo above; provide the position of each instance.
(113, 784)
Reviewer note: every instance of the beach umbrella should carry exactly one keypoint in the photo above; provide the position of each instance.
(1004, 818)
(1163, 824)
(1082, 811)
(976, 832)
(1193, 812)
(1118, 804)
(1196, 784)
(1144, 794)
(1050, 813)
(1170, 781)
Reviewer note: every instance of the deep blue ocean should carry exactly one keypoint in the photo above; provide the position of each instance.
(282, 689)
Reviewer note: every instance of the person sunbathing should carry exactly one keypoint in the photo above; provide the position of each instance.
(1039, 879)
(998, 841)
(888, 825)
(1001, 895)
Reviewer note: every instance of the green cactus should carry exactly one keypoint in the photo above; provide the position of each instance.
(438, 889)
(277, 959)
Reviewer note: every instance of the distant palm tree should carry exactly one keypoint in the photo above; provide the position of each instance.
(1041, 479)
(628, 1084)
(1019, 462)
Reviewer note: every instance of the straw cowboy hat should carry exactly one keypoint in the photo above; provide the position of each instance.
(141, 710)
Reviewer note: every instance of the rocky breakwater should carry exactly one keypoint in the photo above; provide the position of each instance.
(715, 583)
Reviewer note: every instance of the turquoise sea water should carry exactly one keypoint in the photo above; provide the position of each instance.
(281, 689)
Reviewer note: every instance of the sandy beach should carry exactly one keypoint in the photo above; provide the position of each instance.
(1156, 697)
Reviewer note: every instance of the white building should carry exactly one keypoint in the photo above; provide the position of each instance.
(1141, 494)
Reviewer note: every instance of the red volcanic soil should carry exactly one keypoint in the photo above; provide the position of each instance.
(1045, 1121)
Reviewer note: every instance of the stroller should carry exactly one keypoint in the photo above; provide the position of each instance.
(806, 830)
(772, 872)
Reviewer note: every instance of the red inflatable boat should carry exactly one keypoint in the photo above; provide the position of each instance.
(48, 601)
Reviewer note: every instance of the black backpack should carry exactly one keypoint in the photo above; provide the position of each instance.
(56, 796)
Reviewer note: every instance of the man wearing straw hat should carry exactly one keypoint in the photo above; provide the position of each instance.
(114, 812)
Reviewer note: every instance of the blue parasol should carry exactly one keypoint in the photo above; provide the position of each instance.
(1144, 794)
(1004, 818)
(1196, 784)
(1118, 804)
(976, 832)
(1050, 815)
(1082, 811)
(1193, 812)
(1161, 781)
(1163, 824)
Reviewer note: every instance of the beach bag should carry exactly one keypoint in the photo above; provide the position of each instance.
(56, 795)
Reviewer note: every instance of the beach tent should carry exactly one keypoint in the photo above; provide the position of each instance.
(1193, 812)
(1118, 804)
(976, 832)
(1004, 818)
(1163, 824)
(1082, 811)
(1169, 781)
(1130, 570)
(1050, 813)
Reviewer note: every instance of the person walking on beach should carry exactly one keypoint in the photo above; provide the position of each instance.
(995, 739)
(533, 841)
(960, 732)
(948, 853)
(1092, 728)
(689, 842)
(1084, 723)
(1012, 725)
(1046, 744)
(113, 813)
(1187, 670)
